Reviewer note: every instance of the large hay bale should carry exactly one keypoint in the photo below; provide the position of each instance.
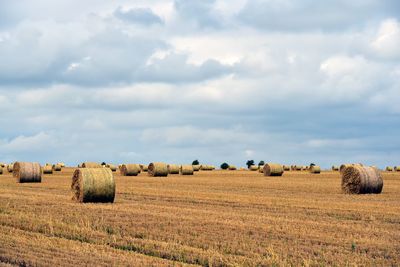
(253, 168)
(273, 169)
(47, 169)
(93, 185)
(315, 169)
(389, 169)
(196, 168)
(27, 172)
(130, 169)
(335, 168)
(186, 170)
(173, 169)
(157, 169)
(57, 167)
(361, 180)
(112, 167)
(91, 165)
(344, 166)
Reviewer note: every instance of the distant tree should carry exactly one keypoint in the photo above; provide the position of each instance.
(261, 163)
(224, 166)
(249, 163)
(196, 162)
(312, 164)
(103, 164)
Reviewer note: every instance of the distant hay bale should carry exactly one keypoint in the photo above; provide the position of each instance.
(206, 167)
(335, 168)
(56, 167)
(186, 170)
(315, 169)
(253, 168)
(144, 167)
(261, 168)
(62, 164)
(196, 168)
(112, 167)
(358, 179)
(27, 172)
(130, 169)
(173, 169)
(10, 167)
(286, 167)
(298, 167)
(93, 185)
(157, 169)
(1, 170)
(2, 165)
(273, 169)
(397, 168)
(389, 169)
(91, 165)
(232, 168)
(47, 169)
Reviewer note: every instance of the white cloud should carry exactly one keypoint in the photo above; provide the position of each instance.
(387, 41)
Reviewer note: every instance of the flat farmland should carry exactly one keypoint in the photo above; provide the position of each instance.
(214, 218)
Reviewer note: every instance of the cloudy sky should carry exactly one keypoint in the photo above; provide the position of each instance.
(216, 80)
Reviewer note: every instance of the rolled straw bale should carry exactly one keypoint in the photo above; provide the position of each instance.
(157, 169)
(48, 169)
(286, 167)
(242, 169)
(144, 167)
(232, 168)
(186, 170)
(253, 168)
(204, 167)
(2, 165)
(112, 167)
(93, 185)
(361, 180)
(261, 168)
(1, 170)
(273, 169)
(196, 168)
(130, 169)
(56, 168)
(335, 168)
(27, 172)
(297, 167)
(173, 169)
(389, 169)
(397, 168)
(91, 165)
(10, 167)
(62, 164)
(315, 169)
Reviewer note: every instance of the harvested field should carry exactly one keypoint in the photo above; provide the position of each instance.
(212, 218)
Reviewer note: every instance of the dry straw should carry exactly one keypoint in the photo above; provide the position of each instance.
(130, 169)
(315, 169)
(157, 169)
(93, 185)
(91, 165)
(27, 172)
(196, 168)
(273, 169)
(361, 180)
(173, 169)
(47, 169)
(186, 170)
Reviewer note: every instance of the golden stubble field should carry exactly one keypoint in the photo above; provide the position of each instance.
(214, 218)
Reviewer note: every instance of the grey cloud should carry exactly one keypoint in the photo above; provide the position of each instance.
(331, 15)
(201, 13)
(143, 16)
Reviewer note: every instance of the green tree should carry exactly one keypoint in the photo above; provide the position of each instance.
(196, 162)
(224, 166)
(249, 163)
(261, 163)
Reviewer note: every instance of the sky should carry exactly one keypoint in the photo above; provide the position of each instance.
(285, 81)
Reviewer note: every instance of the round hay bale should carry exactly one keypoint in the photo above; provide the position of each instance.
(389, 169)
(93, 185)
(157, 169)
(1, 170)
(62, 164)
(144, 167)
(173, 169)
(10, 167)
(397, 168)
(56, 167)
(48, 169)
(297, 167)
(361, 180)
(261, 168)
(286, 167)
(253, 168)
(91, 165)
(273, 169)
(27, 172)
(112, 167)
(2, 165)
(315, 169)
(196, 168)
(335, 168)
(232, 168)
(130, 169)
(186, 170)
(206, 167)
